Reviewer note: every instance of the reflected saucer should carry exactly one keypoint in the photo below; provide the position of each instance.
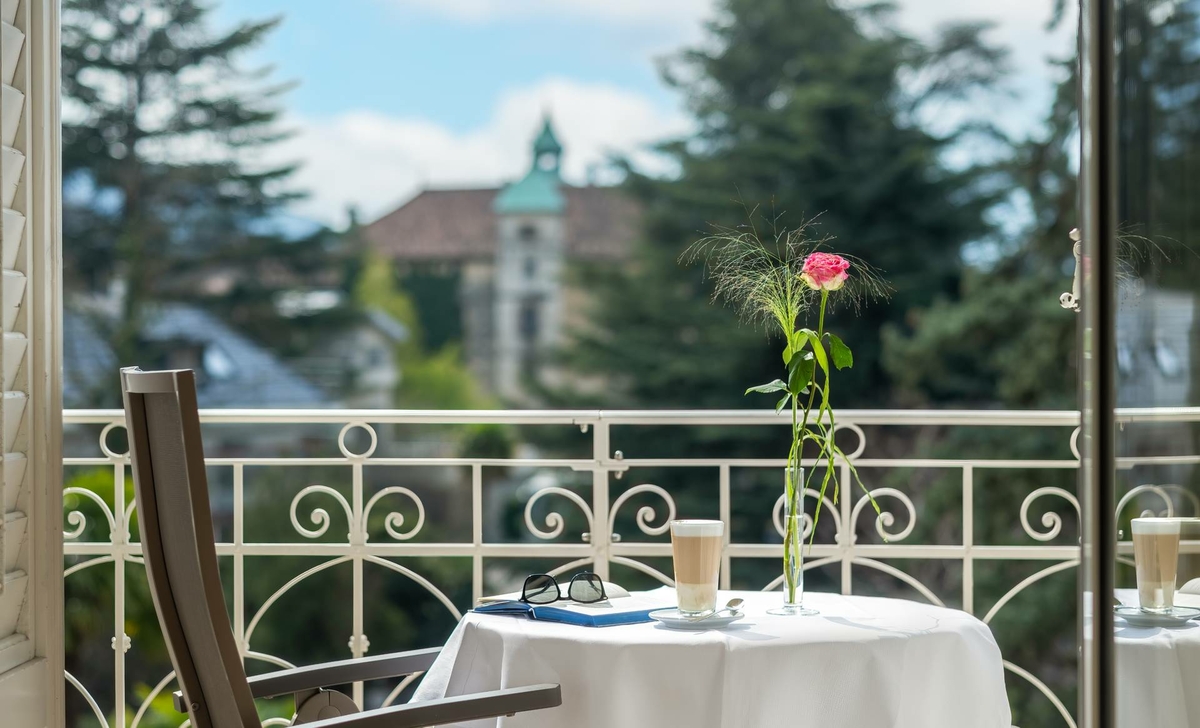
(1177, 617)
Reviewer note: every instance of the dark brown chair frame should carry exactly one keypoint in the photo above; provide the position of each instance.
(168, 470)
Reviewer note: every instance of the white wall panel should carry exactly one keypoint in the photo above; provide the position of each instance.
(31, 628)
(12, 42)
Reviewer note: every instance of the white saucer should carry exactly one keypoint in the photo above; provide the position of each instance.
(1178, 617)
(673, 619)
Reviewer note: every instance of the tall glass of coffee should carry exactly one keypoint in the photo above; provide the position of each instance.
(696, 546)
(1156, 557)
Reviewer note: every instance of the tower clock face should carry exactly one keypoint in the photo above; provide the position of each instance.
(546, 161)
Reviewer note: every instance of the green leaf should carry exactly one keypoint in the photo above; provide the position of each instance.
(817, 348)
(795, 344)
(783, 403)
(776, 386)
(842, 356)
(800, 373)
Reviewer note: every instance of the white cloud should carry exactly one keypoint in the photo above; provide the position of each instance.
(1020, 27)
(374, 161)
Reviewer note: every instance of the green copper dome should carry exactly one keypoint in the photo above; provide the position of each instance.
(539, 191)
(546, 142)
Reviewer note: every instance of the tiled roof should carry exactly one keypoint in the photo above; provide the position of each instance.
(90, 376)
(250, 375)
(459, 224)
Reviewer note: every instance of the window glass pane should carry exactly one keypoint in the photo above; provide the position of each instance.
(1157, 65)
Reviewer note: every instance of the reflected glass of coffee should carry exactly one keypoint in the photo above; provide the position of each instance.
(1156, 557)
(696, 546)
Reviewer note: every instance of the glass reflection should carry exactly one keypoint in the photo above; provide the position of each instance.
(1158, 363)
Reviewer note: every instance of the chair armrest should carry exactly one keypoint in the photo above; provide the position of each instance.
(476, 706)
(312, 677)
(341, 672)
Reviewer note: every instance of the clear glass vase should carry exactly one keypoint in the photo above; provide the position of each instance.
(793, 546)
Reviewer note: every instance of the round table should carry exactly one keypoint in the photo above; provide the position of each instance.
(862, 662)
(1157, 671)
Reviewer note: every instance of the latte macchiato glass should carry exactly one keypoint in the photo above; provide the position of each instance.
(1156, 557)
(696, 546)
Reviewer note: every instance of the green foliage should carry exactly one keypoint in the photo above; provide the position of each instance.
(439, 309)
(376, 287)
(1005, 341)
(161, 712)
(800, 109)
(843, 358)
(777, 385)
(431, 379)
(771, 281)
(441, 380)
(487, 440)
(160, 121)
(87, 628)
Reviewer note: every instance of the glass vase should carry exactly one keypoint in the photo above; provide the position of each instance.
(793, 546)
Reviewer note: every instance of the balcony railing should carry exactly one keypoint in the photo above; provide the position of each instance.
(598, 511)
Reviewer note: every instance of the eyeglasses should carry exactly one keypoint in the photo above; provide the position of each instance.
(585, 588)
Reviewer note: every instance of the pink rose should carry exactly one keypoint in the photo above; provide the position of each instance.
(825, 271)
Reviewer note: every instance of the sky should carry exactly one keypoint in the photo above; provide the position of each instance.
(393, 96)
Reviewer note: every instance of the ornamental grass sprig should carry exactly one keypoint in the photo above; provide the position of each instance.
(774, 282)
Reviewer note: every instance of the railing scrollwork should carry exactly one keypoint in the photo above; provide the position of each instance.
(1050, 520)
(1158, 490)
(885, 519)
(646, 514)
(393, 522)
(554, 520)
(78, 520)
(806, 520)
(404, 512)
(319, 516)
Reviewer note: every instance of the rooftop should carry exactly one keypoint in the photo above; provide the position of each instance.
(235, 371)
(460, 224)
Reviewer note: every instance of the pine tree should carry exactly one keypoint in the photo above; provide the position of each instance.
(165, 190)
(807, 108)
(1005, 341)
(802, 108)
(801, 111)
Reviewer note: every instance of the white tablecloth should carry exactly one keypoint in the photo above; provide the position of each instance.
(863, 663)
(1158, 671)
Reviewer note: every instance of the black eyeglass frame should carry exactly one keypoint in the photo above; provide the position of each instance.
(584, 577)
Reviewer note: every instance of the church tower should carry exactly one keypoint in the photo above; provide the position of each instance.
(531, 236)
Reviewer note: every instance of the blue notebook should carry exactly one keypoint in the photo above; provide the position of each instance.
(599, 618)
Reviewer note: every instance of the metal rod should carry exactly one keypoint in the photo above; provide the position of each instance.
(1099, 188)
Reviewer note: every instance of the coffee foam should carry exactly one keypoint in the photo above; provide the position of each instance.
(697, 528)
(1156, 526)
(696, 597)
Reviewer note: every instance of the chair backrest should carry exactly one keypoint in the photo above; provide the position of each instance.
(163, 422)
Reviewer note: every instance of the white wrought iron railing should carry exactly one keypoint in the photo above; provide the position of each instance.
(98, 534)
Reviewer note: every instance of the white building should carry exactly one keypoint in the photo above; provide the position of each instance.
(508, 253)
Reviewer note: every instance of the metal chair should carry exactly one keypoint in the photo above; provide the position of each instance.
(163, 422)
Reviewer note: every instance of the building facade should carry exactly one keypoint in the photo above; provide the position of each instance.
(509, 252)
